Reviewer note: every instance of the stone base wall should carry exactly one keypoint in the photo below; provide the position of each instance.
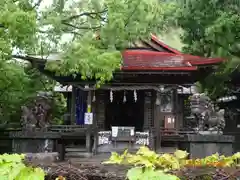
(200, 146)
(32, 146)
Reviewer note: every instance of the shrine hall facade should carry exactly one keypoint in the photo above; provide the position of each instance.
(143, 104)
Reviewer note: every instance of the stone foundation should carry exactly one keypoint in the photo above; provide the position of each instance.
(32, 145)
(41, 158)
(33, 142)
(200, 146)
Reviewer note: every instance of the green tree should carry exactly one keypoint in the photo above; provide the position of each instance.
(100, 30)
(211, 28)
(18, 34)
(17, 31)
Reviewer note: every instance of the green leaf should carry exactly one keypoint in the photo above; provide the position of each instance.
(181, 154)
(135, 173)
(115, 158)
(15, 170)
(138, 173)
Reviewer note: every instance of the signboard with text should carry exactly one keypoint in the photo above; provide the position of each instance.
(88, 118)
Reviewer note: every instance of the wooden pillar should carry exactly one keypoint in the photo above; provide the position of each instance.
(180, 111)
(152, 120)
(176, 108)
(153, 107)
(157, 120)
(88, 126)
(147, 111)
(73, 105)
(95, 128)
(100, 110)
(61, 149)
(175, 111)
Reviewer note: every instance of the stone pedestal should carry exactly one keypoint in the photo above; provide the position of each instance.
(32, 142)
(200, 146)
(32, 145)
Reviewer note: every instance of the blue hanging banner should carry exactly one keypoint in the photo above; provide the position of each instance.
(80, 106)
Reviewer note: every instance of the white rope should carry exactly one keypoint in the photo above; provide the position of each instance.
(130, 88)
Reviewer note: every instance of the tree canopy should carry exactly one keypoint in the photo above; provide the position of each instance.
(17, 31)
(19, 82)
(100, 31)
(211, 28)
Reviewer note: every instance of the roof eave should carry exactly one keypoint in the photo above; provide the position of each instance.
(31, 59)
(142, 68)
(208, 61)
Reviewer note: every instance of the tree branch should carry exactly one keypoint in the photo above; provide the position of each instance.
(129, 17)
(37, 4)
(90, 14)
(76, 27)
(75, 33)
(65, 31)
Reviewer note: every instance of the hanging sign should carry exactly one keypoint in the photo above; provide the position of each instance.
(114, 131)
(88, 118)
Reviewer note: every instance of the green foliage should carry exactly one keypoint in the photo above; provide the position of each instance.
(149, 159)
(18, 27)
(139, 173)
(59, 107)
(211, 28)
(101, 30)
(151, 166)
(215, 160)
(173, 38)
(13, 168)
(148, 164)
(18, 84)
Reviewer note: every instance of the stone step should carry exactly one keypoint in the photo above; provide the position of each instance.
(78, 155)
(75, 149)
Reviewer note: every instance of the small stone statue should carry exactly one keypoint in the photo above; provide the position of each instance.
(37, 113)
(208, 118)
(28, 120)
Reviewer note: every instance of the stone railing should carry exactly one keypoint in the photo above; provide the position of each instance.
(65, 128)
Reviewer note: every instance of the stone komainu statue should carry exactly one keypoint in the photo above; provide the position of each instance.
(204, 113)
(37, 113)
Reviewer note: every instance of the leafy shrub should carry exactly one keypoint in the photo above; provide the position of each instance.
(151, 166)
(13, 168)
(148, 165)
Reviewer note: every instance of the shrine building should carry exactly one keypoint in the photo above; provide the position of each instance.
(144, 104)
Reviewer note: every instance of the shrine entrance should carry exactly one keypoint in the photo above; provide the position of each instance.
(124, 110)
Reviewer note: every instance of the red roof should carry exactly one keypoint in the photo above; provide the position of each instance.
(170, 59)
